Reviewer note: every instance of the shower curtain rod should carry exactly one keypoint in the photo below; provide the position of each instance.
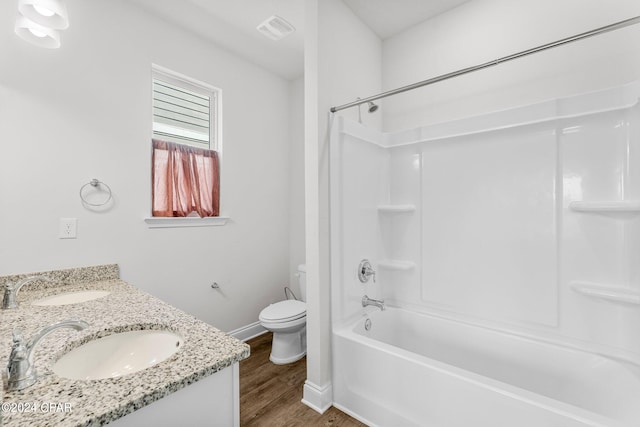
(597, 31)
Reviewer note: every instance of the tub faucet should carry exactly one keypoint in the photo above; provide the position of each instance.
(21, 372)
(11, 290)
(370, 301)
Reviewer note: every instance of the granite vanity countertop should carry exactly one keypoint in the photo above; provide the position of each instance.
(205, 351)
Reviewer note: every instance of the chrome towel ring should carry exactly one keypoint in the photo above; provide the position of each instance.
(95, 183)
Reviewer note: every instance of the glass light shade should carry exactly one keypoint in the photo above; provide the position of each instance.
(48, 13)
(36, 34)
(43, 11)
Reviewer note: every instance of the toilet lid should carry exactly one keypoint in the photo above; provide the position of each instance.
(284, 310)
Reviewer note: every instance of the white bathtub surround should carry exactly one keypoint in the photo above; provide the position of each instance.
(516, 232)
(204, 354)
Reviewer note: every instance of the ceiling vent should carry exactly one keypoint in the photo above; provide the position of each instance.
(275, 28)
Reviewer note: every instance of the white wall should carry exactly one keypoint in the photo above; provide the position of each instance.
(296, 182)
(83, 112)
(483, 30)
(342, 62)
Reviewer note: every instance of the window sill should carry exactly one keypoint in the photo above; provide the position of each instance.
(167, 222)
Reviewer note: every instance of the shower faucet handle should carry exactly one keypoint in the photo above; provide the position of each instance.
(365, 270)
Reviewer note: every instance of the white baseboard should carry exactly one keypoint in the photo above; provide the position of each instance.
(245, 333)
(354, 415)
(317, 398)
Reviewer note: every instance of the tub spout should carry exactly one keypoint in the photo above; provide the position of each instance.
(370, 301)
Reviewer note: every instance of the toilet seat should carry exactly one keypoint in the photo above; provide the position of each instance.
(283, 311)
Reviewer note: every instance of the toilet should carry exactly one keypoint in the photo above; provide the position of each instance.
(288, 321)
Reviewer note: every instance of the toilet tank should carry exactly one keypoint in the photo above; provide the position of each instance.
(302, 281)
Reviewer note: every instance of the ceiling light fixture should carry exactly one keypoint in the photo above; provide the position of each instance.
(43, 10)
(47, 13)
(37, 34)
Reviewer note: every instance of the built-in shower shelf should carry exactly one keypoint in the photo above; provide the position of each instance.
(622, 206)
(396, 208)
(396, 264)
(607, 292)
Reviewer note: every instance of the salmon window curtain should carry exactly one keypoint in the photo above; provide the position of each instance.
(185, 180)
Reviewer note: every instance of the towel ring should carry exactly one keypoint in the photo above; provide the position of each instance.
(94, 183)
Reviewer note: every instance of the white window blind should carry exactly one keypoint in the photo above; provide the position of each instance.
(182, 115)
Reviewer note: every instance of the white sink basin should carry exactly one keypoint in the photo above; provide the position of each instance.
(118, 354)
(71, 298)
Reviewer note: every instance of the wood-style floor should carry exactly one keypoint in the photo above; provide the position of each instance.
(270, 394)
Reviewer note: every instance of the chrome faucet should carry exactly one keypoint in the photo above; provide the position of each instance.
(370, 301)
(11, 290)
(365, 271)
(21, 372)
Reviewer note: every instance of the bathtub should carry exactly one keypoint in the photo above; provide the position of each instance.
(413, 369)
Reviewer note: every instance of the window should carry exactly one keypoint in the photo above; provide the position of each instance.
(185, 111)
(185, 163)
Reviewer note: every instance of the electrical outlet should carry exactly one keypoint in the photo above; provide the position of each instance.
(68, 228)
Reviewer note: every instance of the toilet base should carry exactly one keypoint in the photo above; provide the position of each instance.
(292, 359)
(288, 347)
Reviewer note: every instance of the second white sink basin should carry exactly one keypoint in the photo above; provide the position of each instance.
(71, 298)
(118, 354)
